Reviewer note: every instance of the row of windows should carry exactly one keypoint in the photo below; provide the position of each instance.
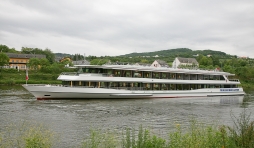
(21, 61)
(145, 86)
(156, 75)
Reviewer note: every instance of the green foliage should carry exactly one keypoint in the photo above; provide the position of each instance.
(143, 140)
(4, 59)
(100, 140)
(4, 48)
(34, 63)
(13, 76)
(29, 135)
(198, 136)
(77, 57)
(242, 133)
(49, 54)
(206, 61)
(98, 61)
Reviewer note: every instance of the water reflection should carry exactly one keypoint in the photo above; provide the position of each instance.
(73, 119)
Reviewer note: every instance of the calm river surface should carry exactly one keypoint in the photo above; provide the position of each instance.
(72, 120)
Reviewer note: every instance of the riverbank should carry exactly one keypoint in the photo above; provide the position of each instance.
(13, 76)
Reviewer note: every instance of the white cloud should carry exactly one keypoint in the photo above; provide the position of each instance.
(120, 27)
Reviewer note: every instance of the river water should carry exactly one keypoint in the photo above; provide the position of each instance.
(72, 120)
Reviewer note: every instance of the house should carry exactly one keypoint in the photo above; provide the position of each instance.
(184, 62)
(81, 62)
(20, 61)
(159, 63)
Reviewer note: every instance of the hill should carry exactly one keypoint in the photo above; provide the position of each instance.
(180, 52)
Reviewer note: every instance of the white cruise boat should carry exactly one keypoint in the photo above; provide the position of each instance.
(127, 81)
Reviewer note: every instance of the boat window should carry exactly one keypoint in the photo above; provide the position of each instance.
(147, 86)
(164, 86)
(164, 76)
(186, 86)
(234, 86)
(193, 86)
(200, 77)
(102, 84)
(211, 77)
(193, 77)
(173, 86)
(211, 86)
(85, 70)
(217, 77)
(137, 74)
(217, 86)
(172, 75)
(105, 71)
(179, 86)
(117, 73)
(155, 86)
(93, 84)
(109, 71)
(156, 75)
(126, 73)
(179, 76)
(222, 78)
(147, 74)
(206, 77)
(186, 77)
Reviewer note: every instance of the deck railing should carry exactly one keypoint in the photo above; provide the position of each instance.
(234, 80)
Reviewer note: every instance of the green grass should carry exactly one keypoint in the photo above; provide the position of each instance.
(27, 135)
(13, 76)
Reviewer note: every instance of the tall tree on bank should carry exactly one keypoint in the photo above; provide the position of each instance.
(49, 54)
(4, 48)
(4, 59)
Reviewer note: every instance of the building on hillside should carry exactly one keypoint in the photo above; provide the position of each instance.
(20, 61)
(81, 62)
(65, 59)
(159, 63)
(243, 57)
(184, 62)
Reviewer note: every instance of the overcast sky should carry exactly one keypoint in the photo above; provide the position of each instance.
(117, 27)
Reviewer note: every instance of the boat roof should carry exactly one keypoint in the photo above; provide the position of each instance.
(156, 69)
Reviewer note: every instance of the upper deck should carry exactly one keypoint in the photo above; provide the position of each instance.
(155, 69)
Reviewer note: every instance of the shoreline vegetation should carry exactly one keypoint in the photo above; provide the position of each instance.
(196, 135)
(17, 77)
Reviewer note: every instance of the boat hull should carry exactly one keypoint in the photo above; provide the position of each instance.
(61, 92)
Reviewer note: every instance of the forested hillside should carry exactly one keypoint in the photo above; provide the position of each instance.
(180, 52)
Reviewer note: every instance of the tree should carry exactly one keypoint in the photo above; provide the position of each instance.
(44, 62)
(34, 63)
(98, 61)
(49, 55)
(144, 61)
(4, 59)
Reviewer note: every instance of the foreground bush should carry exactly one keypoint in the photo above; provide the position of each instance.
(28, 135)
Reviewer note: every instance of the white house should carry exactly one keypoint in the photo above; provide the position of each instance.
(184, 61)
(159, 63)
